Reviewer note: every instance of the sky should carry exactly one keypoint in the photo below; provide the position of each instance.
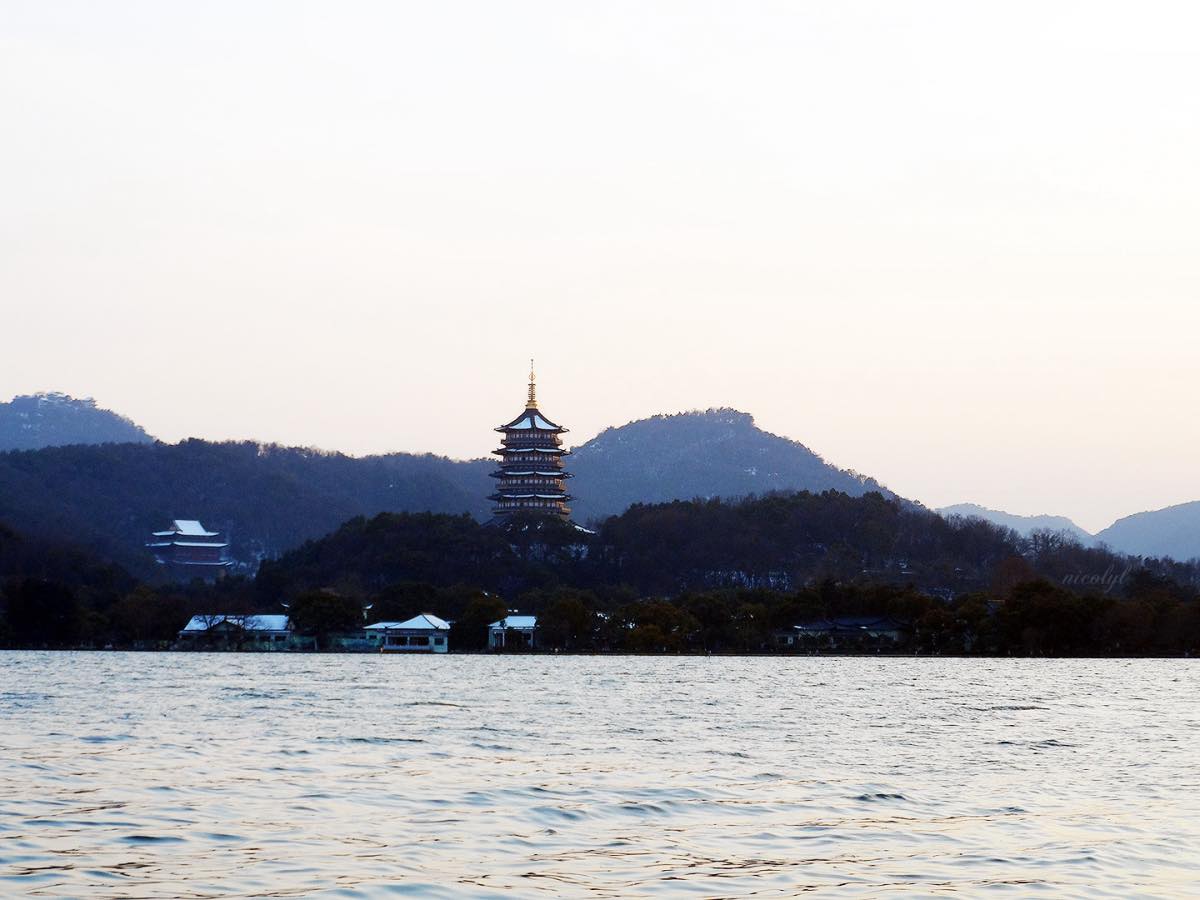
(950, 245)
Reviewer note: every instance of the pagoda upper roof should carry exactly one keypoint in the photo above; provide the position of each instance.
(531, 419)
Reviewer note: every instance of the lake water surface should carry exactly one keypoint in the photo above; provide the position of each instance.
(206, 775)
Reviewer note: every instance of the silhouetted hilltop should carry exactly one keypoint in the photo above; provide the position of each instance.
(715, 453)
(1022, 525)
(55, 420)
(1173, 531)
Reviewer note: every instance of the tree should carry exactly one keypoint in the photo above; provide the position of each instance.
(566, 622)
(403, 600)
(321, 613)
(146, 617)
(43, 613)
(659, 626)
(470, 631)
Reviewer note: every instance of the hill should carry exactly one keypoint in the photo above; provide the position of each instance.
(55, 420)
(1173, 531)
(269, 499)
(1022, 525)
(266, 498)
(715, 453)
(779, 541)
(782, 542)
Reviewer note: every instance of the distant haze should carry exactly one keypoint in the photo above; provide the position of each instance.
(952, 246)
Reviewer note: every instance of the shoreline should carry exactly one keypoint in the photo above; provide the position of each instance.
(727, 654)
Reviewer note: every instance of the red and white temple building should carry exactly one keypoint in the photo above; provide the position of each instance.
(190, 550)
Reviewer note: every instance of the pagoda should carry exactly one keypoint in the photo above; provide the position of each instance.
(531, 478)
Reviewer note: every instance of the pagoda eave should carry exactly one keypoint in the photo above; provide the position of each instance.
(561, 473)
(557, 498)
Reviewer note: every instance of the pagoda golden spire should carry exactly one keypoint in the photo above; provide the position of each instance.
(531, 403)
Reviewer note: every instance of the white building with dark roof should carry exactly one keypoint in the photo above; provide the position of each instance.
(425, 633)
(513, 632)
(263, 632)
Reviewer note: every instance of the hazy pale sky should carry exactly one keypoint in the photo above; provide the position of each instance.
(951, 245)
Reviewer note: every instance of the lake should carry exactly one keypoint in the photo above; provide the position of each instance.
(206, 775)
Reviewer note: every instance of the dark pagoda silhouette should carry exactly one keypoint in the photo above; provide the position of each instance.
(531, 480)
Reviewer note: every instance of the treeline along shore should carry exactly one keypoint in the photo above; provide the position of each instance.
(784, 573)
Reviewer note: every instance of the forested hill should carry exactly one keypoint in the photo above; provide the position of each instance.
(269, 499)
(783, 542)
(55, 420)
(266, 498)
(716, 453)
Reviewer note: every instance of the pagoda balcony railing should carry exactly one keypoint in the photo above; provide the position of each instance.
(555, 507)
(532, 445)
(537, 437)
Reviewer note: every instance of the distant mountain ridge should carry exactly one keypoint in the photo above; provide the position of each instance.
(1023, 525)
(1173, 531)
(714, 453)
(1170, 532)
(94, 478)
(34, 421)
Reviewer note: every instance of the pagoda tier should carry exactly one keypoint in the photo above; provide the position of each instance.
(531, 478)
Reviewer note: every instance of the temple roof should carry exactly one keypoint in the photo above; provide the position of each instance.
(531, 419)
(188, 527)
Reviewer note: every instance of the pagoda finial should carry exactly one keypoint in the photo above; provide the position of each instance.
(531, 403)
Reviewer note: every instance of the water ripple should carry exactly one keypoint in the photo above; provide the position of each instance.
(344, 776)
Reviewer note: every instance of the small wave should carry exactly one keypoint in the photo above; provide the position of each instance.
(558, 812)
(380, 740)
(434, 703)
(872, 798)
(642, 809)
(151, 839)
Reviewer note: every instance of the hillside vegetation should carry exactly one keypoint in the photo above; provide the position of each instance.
(715, 453)
(54, 420)
(685, 576)
(266, 499)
